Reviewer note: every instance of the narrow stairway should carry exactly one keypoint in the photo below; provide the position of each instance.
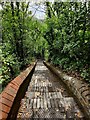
(46, 97)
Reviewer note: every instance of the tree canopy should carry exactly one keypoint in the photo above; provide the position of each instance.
(62, 38)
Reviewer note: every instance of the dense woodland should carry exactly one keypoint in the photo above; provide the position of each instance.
(62, 38)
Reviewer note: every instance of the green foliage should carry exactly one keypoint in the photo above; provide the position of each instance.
(22, 40)
(10, 66)
(63, 38)
(70, 26)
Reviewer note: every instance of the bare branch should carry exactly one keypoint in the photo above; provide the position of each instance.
(34, 13)
(38, 9)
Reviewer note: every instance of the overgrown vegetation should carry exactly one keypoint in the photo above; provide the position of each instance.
(68, 36)
(21, 39)
(62, 38)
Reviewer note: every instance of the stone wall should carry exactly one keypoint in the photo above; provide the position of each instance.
(79, 89)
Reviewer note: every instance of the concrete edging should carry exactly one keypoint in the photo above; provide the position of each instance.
(11, 94)
(80, 89)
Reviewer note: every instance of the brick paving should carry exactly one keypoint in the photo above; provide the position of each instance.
(47, 98)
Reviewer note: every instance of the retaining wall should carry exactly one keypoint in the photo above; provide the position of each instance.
(79, 89)
(13, 93)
